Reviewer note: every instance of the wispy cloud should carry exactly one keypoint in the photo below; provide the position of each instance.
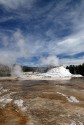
(74, 61)
(14, 47)
(70, 45)
(15, 4)
(40, 28)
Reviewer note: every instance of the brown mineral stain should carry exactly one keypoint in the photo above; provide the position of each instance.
(45, 105)
(9, 116)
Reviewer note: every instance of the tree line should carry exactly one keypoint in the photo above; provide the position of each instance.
(79, 69)
(4, 70)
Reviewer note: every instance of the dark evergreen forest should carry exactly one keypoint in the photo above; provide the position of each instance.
(76, 69)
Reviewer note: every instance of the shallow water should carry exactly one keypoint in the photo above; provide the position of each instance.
(42, 102)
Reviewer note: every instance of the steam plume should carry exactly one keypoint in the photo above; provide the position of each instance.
(50, 60)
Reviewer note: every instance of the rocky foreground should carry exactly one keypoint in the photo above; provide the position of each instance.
(42, 102)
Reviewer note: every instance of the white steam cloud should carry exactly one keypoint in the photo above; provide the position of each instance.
(14, 47)
(17, 71)
(50, 60)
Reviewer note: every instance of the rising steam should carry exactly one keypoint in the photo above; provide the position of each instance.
(14, 47)
(17, 71)
(50, 61)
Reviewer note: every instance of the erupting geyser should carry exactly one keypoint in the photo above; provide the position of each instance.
(17, 71)
(54, 73)
(59, 71)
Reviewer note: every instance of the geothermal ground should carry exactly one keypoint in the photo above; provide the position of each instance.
(42, 102)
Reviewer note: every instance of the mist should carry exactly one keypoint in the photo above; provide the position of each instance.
(17, 71)
(50, 61)
(14, 47)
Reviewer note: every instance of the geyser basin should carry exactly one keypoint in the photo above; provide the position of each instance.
(42, 102)
(56, 73)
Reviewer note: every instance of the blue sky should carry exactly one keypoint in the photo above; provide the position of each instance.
(41, 32)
